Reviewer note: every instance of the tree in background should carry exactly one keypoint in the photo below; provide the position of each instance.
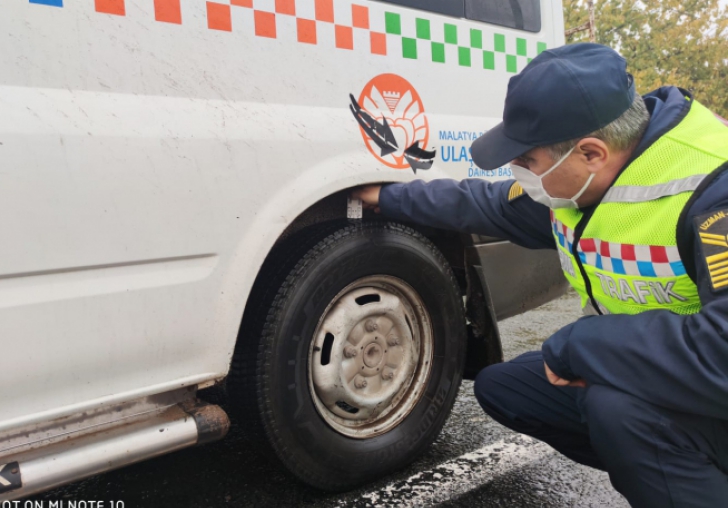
(665, 42)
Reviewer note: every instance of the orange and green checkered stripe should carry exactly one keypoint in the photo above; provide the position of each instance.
(219, 18)
(411, 36)
(473, 47)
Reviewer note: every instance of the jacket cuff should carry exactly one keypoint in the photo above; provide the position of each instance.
(390, 199)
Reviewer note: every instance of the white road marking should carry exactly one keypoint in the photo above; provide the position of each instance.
(457, 476)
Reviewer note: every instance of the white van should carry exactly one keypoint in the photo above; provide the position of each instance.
(173, 184)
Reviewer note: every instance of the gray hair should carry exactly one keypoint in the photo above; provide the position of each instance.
(620, 135)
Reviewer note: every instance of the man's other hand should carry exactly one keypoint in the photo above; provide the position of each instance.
(369, 195)
(557, 381)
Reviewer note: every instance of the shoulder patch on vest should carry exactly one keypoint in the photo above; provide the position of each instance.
(712, 229)
(515, 192)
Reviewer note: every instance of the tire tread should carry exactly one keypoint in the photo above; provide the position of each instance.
(253, 358)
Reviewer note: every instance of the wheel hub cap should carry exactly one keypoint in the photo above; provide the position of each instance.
(370, 356)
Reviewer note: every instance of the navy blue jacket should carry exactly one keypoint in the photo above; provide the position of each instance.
(678, 362)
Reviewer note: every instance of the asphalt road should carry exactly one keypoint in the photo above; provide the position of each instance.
(474, 462)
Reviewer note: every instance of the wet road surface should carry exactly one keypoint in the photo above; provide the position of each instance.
(474, 463)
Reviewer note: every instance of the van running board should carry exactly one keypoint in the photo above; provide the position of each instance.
(177, 427)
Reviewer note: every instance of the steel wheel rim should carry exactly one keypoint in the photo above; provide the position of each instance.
(370, 357)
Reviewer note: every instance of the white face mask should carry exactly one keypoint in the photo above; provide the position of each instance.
(533, 185)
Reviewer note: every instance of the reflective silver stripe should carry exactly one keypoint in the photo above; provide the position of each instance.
(639, 193)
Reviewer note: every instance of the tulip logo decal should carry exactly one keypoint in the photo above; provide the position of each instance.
(393, 123)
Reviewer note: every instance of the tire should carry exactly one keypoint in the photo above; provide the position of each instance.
(284, 375)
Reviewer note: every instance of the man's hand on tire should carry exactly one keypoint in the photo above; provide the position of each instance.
(369, 195)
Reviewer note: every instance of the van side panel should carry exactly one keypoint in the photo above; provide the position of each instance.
(152, 151)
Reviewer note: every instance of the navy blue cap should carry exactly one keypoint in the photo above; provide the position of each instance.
(563, 94)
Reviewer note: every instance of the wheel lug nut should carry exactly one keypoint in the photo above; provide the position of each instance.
(360, 383)
(388, 375)
(371, 325)
(393, 341)
(350, 352)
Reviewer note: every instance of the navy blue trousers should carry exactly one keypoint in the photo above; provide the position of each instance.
(655, 457)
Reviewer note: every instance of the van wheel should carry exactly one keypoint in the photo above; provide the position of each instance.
(357, 364)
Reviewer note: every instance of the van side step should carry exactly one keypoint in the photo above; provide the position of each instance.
(176, 427)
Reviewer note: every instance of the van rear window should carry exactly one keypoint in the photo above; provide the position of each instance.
(519, 14)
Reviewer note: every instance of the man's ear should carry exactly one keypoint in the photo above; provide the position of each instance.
(594, 152)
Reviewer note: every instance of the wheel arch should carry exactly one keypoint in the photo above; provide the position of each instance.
(484, 343)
